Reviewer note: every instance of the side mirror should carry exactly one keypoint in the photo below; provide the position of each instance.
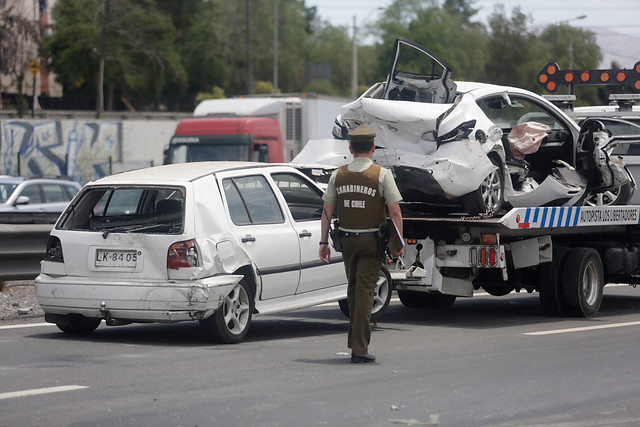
(21, 200)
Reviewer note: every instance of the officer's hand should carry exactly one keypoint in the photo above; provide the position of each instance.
(325, 253)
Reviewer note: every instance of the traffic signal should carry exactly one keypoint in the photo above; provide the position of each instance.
(551, 77)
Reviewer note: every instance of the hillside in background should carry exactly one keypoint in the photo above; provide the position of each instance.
(622, 48)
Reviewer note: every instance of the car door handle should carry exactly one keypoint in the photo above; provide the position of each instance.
(248, 238)
(305, 233)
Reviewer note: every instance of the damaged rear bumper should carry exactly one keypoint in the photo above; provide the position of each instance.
(133, 301)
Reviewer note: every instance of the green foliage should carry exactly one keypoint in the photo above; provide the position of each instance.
(513, 50)
(157, 48)
(216, 93)
(133, 38)
(263, 88)
(321, 86)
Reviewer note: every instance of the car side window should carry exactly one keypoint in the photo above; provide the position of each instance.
(54, 193)
(251, 201)
(33, 193)
(303, 201)
(519, 111)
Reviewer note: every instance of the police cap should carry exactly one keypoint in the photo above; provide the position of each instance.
(362, 133)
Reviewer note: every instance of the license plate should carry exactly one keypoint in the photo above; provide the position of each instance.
(105, 258)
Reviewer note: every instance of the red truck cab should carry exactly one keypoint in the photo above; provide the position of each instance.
(257, 139)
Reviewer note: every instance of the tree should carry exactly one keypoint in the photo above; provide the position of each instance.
(448, 32)
(128, 43)
(513, 50)
(17, 33)
(573, 48)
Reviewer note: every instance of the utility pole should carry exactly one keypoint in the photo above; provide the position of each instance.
(249, 70)
(35, 47)
(354, 61)
(275, 47)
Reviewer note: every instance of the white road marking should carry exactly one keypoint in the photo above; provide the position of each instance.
(36, 391)
(584, 328)
(27, 325)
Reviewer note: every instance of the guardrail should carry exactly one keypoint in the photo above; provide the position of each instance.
(22, 247)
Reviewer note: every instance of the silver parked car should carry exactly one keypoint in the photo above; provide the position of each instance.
(34, 199)
(216, 242)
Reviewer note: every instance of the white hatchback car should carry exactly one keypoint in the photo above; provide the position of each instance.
(216, 242)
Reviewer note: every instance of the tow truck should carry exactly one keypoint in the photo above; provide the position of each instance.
(566, 254)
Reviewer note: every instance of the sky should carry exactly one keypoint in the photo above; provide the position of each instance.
(604, 18)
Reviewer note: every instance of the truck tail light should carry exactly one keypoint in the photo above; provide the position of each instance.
(54, 250)
(485, 256)
(182, 255)
(492, 257)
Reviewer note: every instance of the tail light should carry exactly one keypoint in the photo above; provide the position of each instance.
(54, 250)
(182, 255)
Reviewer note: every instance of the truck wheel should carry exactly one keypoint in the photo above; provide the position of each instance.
(583, 282)
(425, 299)
(79, 325)
(381, 296)
(230, 323)
(489, 197)
(550, 285)
(497, 291)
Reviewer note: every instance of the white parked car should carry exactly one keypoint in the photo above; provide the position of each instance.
(216, 242)
(478, 146)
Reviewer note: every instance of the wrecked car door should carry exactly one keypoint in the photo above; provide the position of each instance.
(418, 75)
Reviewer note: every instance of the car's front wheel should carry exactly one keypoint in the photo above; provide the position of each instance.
(488, 198)
(230, 323)
(381, 295)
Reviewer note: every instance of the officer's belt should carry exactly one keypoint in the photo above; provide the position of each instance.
(373, 234)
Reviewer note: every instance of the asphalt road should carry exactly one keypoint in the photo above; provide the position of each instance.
(487, 361)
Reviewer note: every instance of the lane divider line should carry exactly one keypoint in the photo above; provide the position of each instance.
(580, 329)
(37, 391)
(27, 325)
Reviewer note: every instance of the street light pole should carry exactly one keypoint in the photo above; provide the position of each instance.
(354, 61)
(566, 21)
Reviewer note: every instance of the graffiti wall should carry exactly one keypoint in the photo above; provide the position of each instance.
(84, 150)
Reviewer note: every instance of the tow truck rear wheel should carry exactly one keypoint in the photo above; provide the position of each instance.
(425, 299)
(381, 296)
(583, 282)
(550, 284)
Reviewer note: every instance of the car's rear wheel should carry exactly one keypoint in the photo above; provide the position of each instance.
(381, 295)
(230, 323)
(79, 325)
(488, 198)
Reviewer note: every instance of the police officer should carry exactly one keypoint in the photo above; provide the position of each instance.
(360, 190)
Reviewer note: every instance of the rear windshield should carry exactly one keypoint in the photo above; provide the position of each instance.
(148, 210)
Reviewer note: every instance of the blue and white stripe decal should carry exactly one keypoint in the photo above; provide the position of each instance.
(571, 216)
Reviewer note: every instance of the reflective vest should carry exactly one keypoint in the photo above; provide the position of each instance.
(360, 205)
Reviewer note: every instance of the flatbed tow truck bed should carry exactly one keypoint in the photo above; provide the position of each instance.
(566, 254)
